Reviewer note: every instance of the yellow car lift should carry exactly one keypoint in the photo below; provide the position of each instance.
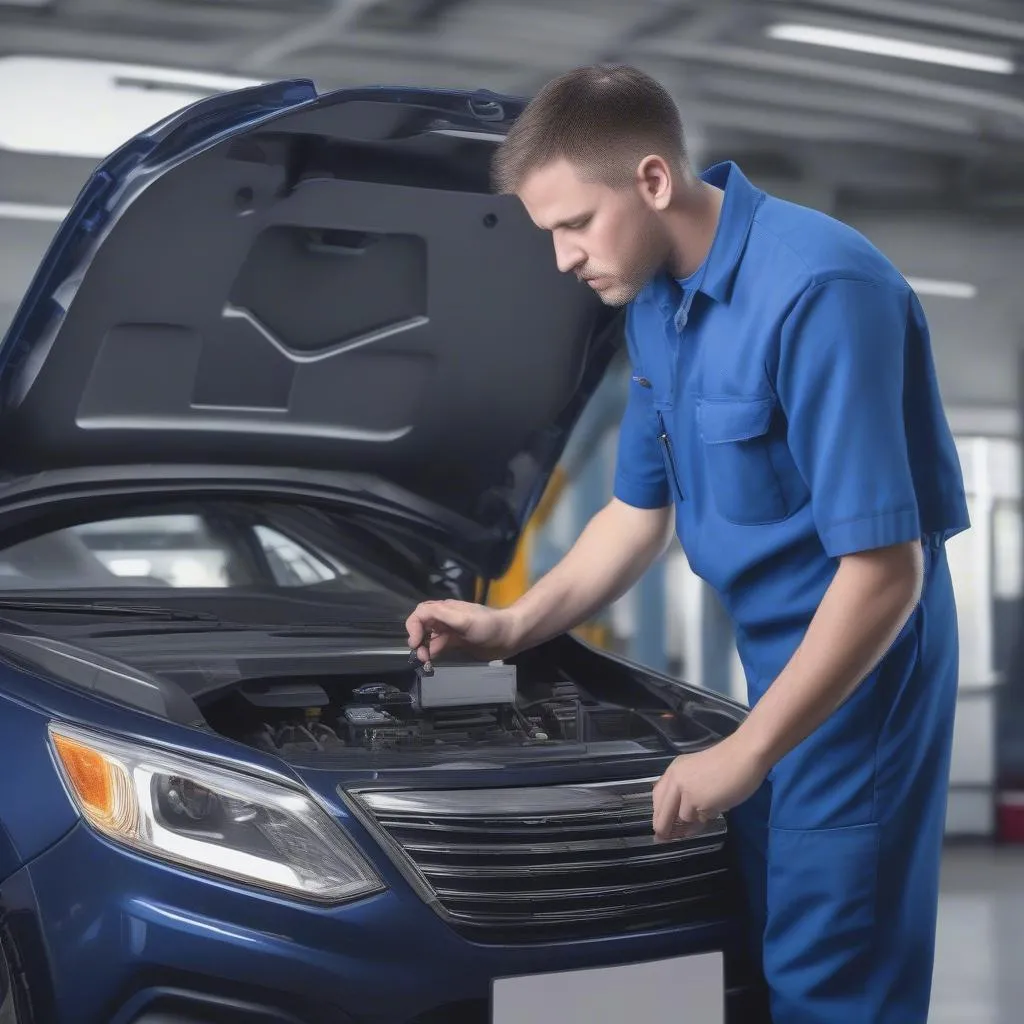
(517, 581)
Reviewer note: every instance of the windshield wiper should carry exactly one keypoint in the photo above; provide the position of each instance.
(148, 611)
(278, 630)
(356, 628)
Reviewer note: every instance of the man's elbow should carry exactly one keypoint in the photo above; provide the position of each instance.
(894, 575)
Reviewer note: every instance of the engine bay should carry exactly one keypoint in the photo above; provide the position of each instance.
(469, 706)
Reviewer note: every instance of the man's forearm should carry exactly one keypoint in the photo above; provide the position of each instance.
(618, 545)
(867, 605)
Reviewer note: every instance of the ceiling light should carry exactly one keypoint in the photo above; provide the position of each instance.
(130, 566)
(942, 289)
(887, 46)
(86, 108)
(33, 212)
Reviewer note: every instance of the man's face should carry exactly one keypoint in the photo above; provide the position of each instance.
(609, 237)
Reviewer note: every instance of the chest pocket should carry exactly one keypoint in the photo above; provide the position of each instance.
(747, 465)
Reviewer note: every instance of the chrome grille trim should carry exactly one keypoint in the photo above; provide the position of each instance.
(541, 849)
(532, 863)
(577, 893)
(562, 867)
(596, 797)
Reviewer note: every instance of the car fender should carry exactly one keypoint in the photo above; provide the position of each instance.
(35, 809)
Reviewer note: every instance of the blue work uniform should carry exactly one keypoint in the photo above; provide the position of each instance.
(784, 398)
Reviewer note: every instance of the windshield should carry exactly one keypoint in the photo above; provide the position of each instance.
(199, 548)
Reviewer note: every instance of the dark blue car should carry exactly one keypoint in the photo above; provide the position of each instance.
(287, 368)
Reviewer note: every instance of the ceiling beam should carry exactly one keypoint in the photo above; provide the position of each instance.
(822, 127)
(84, 42)
(960, 20)
(760, 90)
(921, 87)
(697, 21)
(707, 20)
(334, 24)
(651, 18)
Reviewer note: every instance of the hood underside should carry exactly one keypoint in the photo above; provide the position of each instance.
(287, 283)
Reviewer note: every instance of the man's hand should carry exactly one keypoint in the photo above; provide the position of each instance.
(699, 787)
(437, 626)
(618, 546)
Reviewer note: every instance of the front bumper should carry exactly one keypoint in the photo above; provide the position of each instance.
(132, 941)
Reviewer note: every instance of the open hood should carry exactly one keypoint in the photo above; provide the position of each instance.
(282, 287)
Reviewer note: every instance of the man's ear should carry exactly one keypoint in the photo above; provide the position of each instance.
(654, 181)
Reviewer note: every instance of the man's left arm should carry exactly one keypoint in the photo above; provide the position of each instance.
(868, 603)
(840, 382)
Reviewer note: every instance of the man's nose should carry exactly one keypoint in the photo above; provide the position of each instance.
(568, 256)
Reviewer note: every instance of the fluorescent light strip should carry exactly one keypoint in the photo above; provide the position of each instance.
(886, 46)
(86, 108)
(31, 211)
(942, 289)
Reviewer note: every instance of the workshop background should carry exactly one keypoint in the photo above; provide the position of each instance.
(904, 118)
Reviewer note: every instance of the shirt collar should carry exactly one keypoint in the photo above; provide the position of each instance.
(739, 205)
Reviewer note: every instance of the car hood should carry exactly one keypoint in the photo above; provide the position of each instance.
(308, 293)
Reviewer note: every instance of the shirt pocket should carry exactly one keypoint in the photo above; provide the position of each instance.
(737, 444)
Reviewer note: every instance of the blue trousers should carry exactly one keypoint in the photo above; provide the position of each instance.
(841, 847)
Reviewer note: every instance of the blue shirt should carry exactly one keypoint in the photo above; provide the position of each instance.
(784, 398)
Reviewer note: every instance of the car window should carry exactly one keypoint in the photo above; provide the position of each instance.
(180, 551)
(174, 551)
(292, 564)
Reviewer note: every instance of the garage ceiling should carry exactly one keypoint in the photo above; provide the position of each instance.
(751, 75)
(890, 113)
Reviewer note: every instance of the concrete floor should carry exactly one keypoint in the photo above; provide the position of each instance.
(979, 965)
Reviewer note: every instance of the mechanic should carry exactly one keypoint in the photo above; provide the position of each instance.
(784, 418)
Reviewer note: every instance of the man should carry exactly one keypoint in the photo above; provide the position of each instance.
(784, 418)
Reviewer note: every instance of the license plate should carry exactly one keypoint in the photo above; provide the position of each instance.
(682, 990)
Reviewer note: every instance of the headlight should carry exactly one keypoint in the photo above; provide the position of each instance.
(209, 818)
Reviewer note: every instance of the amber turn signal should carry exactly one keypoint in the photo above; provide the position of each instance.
(100, 784)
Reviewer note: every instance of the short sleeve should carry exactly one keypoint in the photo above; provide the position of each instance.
(640, 476)
(840, 381)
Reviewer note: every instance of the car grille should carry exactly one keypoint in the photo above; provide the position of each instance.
(552, 862)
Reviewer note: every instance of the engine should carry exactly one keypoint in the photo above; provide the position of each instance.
(458, 706)
(455, 707)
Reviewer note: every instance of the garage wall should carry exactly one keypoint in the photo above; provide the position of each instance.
(22, 245)
(976, 341)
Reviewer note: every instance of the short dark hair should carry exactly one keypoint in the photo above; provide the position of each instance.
(603, 119)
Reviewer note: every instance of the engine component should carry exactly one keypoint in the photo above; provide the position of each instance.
(466, 686)
(372, 728)
(561, 714)
(383, 695)
(460, 707)
(285, 695)
(368, 716)
(311, 736)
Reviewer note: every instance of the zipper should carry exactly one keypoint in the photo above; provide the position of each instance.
(666, 443)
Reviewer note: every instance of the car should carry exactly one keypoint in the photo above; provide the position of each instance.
(287, 368)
